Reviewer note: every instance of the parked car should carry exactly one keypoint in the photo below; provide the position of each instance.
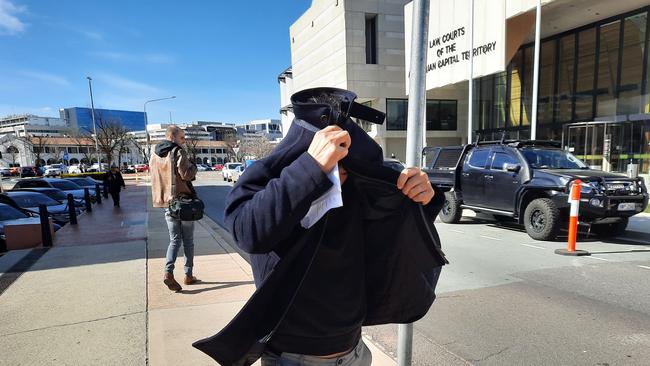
(86, 182)
(74, 169)
(141, 168)
(53, 193)
(96, 167)
(394, 164)
(237, 173)
(5, 172)
(217, 167)
(128, 169)
(27, 171)
(529, 182)
(30, 201)
(11, 215)
(203, 167)
(55, 170)
(228, 169)
(62, 184)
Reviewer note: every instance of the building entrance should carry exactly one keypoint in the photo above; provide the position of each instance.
(610, 146)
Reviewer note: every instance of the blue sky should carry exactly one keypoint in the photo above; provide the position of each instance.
(220, 58)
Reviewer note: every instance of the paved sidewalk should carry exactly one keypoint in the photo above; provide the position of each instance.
(80, 303)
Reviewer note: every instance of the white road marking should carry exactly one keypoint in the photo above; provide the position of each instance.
(457, 231)
(644, 267)
(489, 237)
(533, 246)
(600, 259)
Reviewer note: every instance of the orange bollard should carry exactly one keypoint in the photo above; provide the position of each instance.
(574, 200)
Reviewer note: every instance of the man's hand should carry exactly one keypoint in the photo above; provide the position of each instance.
(329, 145)
(415, 184)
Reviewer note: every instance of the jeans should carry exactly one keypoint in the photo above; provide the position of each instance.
(359, 356)
(116, 198)
(179, 231)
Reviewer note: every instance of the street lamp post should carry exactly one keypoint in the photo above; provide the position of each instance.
(146, 123)
(92, 109)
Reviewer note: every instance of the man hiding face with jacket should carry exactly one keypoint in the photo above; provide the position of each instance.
(318, 264)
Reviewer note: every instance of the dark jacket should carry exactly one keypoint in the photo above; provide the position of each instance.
(403, 257)
(114, 182)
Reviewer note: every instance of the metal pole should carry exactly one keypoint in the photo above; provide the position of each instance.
(470, 96)
(538, 27)
(415, 132)
(46, 231)
(92, 108)
(72, 210)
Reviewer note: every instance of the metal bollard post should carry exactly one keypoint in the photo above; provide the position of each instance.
(98, 195)
(72, 210)
(89, 205)
(46, 233)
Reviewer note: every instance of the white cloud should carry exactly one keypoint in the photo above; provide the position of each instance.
(151, 58)
(9, 22)
(45, 77)
(127, 85)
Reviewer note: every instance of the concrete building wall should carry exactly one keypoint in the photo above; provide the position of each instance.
(318, 53)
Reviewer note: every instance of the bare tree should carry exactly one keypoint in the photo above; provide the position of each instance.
(39, 142)
(84, 142)
(110, 134)
(13, 152)
(192, 141)
(231, 145)
(255, 147)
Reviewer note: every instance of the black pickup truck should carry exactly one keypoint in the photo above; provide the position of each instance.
(529, 182)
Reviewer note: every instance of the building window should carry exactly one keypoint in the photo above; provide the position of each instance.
(441, 115)
(632, 52)
(396, 110)
(371, 38)
(607, 68)
(586, 69)
(564, 97)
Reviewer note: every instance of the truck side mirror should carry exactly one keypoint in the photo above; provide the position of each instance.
(514, 168)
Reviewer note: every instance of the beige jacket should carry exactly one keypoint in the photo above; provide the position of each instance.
(161, 177)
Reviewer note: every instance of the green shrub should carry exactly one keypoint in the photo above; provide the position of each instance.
(95, 175)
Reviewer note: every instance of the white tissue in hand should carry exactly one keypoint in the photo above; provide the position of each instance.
(331, 199)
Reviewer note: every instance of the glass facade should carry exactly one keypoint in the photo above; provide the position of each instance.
(441, 114)
(599, 72)
(82, 117)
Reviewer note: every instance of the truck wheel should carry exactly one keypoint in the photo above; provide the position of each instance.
(542, 219)
(451, 211)
(608, 230)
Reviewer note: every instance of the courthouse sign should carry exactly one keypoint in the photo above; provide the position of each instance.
(448, 44)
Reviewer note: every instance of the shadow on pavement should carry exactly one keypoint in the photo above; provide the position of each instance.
(222, 285)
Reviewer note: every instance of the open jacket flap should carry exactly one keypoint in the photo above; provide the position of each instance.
(403, 257)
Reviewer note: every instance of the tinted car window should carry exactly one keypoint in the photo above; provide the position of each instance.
(10, 213)
(501, 159)
(479, 158)
(81, 182)
(65, 185)
(32, 200)
(31, 184)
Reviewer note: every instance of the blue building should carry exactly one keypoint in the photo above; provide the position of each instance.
(81, 118)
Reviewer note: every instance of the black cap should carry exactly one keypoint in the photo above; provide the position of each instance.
(321, 115)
